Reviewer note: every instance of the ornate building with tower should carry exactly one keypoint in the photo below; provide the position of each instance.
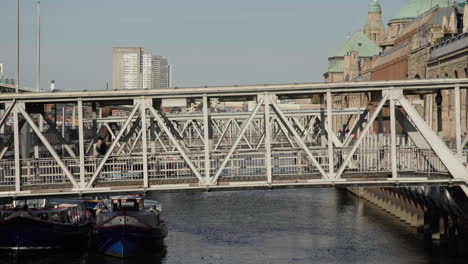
(426, 39)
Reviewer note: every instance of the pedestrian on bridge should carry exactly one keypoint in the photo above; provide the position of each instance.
(101, 147)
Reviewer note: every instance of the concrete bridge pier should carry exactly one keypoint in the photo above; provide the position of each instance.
(432, 215)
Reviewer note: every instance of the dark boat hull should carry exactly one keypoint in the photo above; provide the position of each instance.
(123, 240)
(21, 233)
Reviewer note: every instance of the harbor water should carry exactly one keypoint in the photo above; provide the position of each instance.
(270, 226)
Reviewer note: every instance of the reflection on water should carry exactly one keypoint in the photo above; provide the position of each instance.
(278, 226)
(79, 256)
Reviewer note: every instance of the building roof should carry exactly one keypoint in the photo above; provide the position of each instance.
(417, 7)
(375, 7)
(392, 55)
(336, 65)
(360, 43)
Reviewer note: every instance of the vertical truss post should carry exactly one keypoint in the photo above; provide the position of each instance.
(81, 146)
(152, 136)
(16, 136)
(458, 138)
(144, 142)
(206, 134)
(267, 134)
(329, 125)
(322, 121)
(95, 127)
(393, 138)
(40, 119)
(431, 110)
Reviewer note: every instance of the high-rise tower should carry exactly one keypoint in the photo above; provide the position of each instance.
(375, 29)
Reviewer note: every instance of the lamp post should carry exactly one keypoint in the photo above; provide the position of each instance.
(17, 45)
(38, 73)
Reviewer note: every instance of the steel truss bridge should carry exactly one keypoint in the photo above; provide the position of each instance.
(265, 147)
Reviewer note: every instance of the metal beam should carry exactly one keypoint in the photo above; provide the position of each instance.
(236, 91)
(16, 139)
(458, 139)
(267, 134)
(144, 142)
(330, 134)
(81, 142)
(393, 139)
(207, 141)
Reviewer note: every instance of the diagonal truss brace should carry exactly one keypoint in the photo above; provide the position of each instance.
(361, 137)
(450, 161)
(168, 131)
(245, 125)
(114, 144)
(299, 141)
(48, 146)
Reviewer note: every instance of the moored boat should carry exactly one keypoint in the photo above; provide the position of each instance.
(44, 224)
(127, 225)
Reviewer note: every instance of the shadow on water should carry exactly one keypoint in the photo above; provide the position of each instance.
(156, 256)
(434, 252)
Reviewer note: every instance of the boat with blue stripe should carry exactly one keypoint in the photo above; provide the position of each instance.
(127, 225)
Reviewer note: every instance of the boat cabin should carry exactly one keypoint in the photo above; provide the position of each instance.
(53, 210)
(127, 203)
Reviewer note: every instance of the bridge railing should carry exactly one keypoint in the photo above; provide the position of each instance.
(242, 165)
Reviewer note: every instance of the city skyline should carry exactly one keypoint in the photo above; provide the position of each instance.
(135, 68)
(210, 43)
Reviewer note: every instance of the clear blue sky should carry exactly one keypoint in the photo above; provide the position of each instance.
(208, 42)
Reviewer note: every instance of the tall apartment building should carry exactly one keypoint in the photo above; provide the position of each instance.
(133, 68)
(161, 78)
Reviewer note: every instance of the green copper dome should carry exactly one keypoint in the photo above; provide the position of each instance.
(375, 7)
(417, 7)
(359, 43)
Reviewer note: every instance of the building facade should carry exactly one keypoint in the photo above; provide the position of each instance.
(426, 39)
(133, 68)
